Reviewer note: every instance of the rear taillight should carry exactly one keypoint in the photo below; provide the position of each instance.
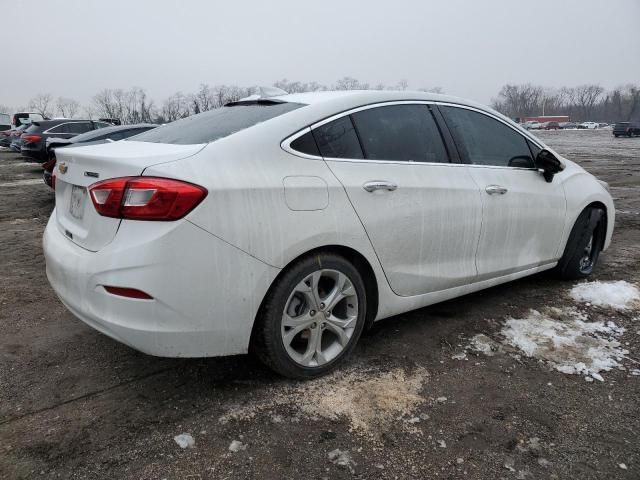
(49, 165)
(145, 198)
(31, 138)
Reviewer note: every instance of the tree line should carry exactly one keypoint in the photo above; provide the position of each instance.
(589, 102)
(581, 103)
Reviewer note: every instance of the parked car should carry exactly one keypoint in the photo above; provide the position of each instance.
(531, 125)
(34, 144)
(6, 136)
(549, 126)
(568, 125)
(93, 137)
(286, 225)
(5, 121)
(589, 125)
(16, 137)
(626, 129)
(21, 118)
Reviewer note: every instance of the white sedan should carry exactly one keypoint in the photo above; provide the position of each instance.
(287, 224)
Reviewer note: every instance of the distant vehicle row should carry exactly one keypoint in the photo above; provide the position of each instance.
(563, 125)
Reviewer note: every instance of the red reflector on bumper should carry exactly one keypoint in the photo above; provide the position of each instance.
(128, 292)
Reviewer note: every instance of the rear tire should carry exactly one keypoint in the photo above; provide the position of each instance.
(312, 317)
(584, 245)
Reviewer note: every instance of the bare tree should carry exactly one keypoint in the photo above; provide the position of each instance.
(350, 83)
(585, 97)
(67, 107)
(42, 103)
(519, 100)
(175, 107)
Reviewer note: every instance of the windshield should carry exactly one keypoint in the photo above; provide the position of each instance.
(215, 124)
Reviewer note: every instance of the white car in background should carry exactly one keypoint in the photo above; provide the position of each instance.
(287, 224)
(590, 125)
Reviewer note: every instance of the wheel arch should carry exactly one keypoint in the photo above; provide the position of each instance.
(358, 260)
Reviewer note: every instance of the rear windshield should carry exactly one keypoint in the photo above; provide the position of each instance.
(215, 124)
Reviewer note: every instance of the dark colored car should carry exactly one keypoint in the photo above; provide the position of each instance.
(35, 137)
(568, 125)
(550, 126)
(93, 137)
(626, 129)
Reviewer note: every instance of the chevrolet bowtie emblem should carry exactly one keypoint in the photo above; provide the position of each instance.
(63, 167)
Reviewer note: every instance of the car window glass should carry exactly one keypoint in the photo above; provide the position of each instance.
(306, 144)
(535, 150)
(79, 127)
(338, 139)
(483, 140)
(217, 123)
(62, 128)
(401, 133)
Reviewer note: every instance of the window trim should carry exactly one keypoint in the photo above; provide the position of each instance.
(488, 114)
(286, 143)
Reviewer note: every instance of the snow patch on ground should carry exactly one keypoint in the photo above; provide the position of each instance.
(184, 440)
(620, 295)
(564, 340)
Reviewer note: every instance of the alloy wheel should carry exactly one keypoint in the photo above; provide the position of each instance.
(319, 317)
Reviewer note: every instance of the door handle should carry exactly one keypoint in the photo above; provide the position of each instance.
(379, 185)
(495, 190)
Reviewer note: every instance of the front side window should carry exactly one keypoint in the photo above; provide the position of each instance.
(338, 139)
(400, 133)
(483, 140)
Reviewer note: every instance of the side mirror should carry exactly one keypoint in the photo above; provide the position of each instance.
(548, 164)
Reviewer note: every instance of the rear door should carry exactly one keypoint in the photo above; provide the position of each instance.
(421, 212)
(522, 215)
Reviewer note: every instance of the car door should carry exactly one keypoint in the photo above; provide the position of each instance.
(522, 214)
(421, 212)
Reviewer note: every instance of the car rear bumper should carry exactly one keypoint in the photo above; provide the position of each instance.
(33, 154)
(205, 292)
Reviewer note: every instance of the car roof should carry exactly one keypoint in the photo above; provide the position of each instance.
(368, 96)
(339, 101)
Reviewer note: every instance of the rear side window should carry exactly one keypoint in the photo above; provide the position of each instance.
(78, 127)
(483, 140)
(62, 128)
(306, 144)
(216, 124)
(338, 139)
(400, 133)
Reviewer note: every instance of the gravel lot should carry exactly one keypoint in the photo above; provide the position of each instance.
(413, 402)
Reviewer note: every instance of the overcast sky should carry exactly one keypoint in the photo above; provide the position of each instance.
(74, 48)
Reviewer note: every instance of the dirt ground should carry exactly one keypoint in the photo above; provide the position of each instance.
(410, 403)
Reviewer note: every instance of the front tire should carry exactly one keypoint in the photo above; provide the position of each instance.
(584, 245)
(312, 317)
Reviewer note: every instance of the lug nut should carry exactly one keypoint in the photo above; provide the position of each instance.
(312, 313)
(322, 305)
(314, 325)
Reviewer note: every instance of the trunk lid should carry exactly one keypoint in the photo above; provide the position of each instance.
(78, 168)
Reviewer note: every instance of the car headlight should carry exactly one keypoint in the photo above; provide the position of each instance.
(605, 185)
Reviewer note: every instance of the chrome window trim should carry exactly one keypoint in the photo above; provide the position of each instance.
(286, 143)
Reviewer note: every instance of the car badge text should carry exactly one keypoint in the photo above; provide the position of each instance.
(63, 167)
